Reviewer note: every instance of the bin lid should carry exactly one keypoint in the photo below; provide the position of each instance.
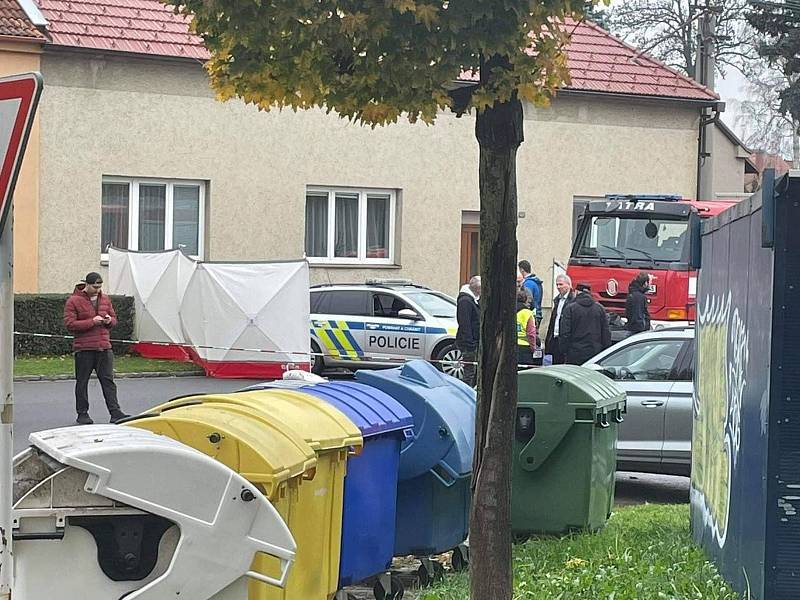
(587, 387)
(261, 450)
(213, 506)
(443, 409)
(322, 426)
(373, 411)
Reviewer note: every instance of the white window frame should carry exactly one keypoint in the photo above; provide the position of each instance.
(133, 210)
(362, 193)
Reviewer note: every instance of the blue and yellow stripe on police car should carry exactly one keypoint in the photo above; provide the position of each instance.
(337, 339)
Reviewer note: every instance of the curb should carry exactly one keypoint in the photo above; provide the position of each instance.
(27, 378)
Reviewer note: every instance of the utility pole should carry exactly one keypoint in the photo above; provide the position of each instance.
(705, 75)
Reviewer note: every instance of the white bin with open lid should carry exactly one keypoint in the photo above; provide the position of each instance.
(111, 512)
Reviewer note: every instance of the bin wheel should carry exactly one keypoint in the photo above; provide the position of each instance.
(395, 591)
(429, 572)
(460, 559)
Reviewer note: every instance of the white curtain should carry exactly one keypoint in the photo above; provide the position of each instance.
(346, 232)
(317, 225)
(115, 215)
(152, 217)
(377, 226)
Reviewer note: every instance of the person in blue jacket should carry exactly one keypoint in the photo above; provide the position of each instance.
(533, 284)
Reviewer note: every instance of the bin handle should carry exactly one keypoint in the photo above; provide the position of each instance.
(450, 476)
(602, 421)
(285, 566)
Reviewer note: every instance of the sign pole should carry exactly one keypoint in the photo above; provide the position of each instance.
(6, 405)
(19, 97)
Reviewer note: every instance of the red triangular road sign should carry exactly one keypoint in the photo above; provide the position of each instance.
(19, 97)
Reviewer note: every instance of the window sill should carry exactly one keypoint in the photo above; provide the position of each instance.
(333, 265)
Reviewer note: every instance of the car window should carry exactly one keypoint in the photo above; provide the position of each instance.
(320, 302)
(388, 305)
(342, 302)
(652, 360)
(317, 300)
(436, 305)
(685, 367)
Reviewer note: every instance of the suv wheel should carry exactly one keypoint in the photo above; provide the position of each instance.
(317, 362)
(448, 360)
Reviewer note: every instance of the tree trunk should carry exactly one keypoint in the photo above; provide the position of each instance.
(796, 147)
(499, 133)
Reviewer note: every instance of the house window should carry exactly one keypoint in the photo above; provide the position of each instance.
(153, 214)
(350, 225)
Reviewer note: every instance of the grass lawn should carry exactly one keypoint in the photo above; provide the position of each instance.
(645, 553)
(63, 365)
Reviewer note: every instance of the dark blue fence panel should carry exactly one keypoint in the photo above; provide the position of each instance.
(745, 489)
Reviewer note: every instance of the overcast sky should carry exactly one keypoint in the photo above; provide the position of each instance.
(729, 89)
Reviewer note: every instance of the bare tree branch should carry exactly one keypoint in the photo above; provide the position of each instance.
(668, 29)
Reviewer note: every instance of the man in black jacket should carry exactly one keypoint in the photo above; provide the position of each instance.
(565, 297)
(469, 327)
(636, 312)
(584, 329)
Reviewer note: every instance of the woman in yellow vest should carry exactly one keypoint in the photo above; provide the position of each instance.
(526, 329)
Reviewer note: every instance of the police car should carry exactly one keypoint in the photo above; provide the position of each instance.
(382, 323)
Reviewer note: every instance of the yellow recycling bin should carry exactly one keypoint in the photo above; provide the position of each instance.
(266, 452)
(315, 517)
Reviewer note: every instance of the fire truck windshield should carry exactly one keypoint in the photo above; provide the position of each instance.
(633, 238)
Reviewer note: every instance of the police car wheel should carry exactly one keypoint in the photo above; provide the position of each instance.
(448, 361)
(317, 363)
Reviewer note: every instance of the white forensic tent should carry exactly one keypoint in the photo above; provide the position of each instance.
(260, 307)
(157, 282)
(233, 319)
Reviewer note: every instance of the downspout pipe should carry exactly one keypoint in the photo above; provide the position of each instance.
(703, 152)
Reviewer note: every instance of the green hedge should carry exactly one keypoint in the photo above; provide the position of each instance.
(44, 313)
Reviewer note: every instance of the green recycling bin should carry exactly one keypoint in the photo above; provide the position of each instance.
(565, 445)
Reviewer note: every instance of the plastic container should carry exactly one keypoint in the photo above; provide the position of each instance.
(565, 444)
(433, 495)
(112, 512)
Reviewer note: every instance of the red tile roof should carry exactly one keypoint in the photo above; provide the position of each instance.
(15, 23)
(598, 61)
(139, 26)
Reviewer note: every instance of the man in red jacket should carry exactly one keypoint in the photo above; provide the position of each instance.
(89, 316)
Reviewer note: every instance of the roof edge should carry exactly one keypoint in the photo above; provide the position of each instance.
(731, 135)
(652, 97)
(67, 48)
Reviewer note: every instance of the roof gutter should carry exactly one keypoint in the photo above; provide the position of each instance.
(700, 102)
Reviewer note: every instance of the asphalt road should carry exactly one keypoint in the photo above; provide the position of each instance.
(46, 404)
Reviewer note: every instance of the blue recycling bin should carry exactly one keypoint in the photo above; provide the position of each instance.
(433, 494)
(370, 486)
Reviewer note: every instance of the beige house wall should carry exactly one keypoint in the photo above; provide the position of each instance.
(729, 160)
(20, 57)
(158, 119)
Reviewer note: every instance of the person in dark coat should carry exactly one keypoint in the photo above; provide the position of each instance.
(566, 296)
(469, 327)
(584, 330)
(89, 316)
(636, 312)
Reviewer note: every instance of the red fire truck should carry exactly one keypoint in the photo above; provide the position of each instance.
(623, 235)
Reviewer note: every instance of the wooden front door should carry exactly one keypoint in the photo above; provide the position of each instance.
(470, 252)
